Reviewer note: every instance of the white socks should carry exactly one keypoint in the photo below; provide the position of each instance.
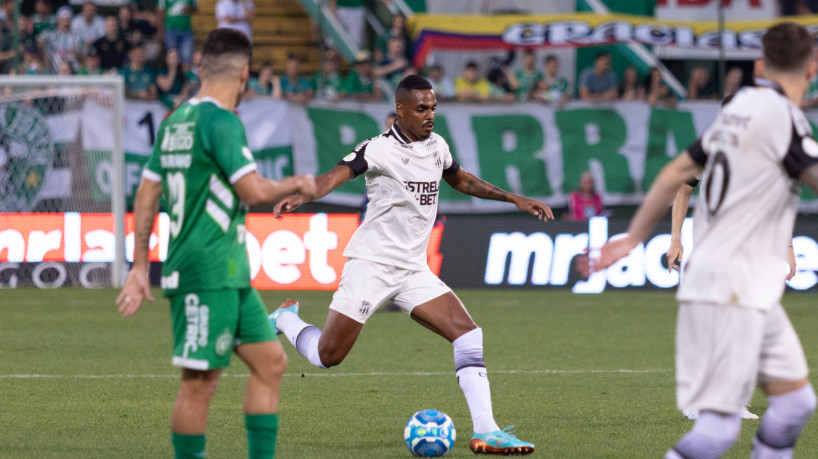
(303, 336)
(471, 375)
(712, 436)
(782, 423)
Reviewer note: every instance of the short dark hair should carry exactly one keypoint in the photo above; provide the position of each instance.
(787, 46)
(225, 41)
(471, 65)
(550, 58)
(411, 83)
(601, 54)
(220, 44)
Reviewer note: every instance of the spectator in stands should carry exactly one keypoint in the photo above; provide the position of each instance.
(328, 84)
(171, 86)
(174, 26)
(470, 87)
(32, 62)
(528, 77)
(350, 14)
(552, 88)
(236, 14)
(700, 86)
(266, 84)
(294, 87)
(43, 18)
(27, 37)
(7, 52)
(630, 89)
(88, 25)
(91, 64)
(139, 80)
(192, 74)
(61, 44)
(442, 85)
(392, 66)
(112, 48)
(7, 15)
(136, 30)
(65, 69)
(598, 83)
(732, 81)
(656, 89)
(584, 203)
(360, 81)
(397, 29)
(503, 84)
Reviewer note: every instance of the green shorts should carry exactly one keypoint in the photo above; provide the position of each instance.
(207, 325)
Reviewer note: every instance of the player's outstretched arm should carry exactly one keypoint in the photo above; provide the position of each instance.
(472, 185)
(255, 189)
(791, 253)
(324, 184)
(137, 286)
(678, 214)
(665, 186)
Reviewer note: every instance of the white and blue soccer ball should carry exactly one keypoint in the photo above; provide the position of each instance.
(429, 433)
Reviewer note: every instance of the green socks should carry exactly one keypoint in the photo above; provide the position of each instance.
(188, 446)
(262, 432)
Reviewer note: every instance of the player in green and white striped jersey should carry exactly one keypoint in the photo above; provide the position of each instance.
(203, 166)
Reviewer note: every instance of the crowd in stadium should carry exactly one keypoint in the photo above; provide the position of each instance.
(151, 44)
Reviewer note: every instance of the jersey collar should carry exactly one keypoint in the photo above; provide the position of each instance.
(195, 101)
(399, 134)
(765, 83)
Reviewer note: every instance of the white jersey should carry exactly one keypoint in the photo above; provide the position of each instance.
(753, 153)
(402, 184)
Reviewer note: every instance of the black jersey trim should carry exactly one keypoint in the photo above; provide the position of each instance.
(797, 158)
(357, 163)
(399, 134)
(696, 151)
(453, 169)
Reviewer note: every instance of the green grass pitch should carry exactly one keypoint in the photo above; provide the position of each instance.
(579, 376)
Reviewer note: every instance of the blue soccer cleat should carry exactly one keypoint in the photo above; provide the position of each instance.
(287, 306)
(500, 442)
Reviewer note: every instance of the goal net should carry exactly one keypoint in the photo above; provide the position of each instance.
(62, 193)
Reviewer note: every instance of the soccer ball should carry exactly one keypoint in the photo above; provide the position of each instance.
(429, 433)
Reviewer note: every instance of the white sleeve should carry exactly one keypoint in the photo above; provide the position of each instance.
(222, 10)
(450, 166)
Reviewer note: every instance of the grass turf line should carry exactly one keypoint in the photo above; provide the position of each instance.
(553, 361)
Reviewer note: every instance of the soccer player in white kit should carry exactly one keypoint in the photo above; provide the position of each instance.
(732, 332)
(386, 257)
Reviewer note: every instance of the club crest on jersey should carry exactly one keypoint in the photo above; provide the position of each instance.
(366, 306)
(405, 161)
(438, 162)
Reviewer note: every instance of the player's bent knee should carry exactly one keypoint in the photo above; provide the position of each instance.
(275, 367)
(330, 358)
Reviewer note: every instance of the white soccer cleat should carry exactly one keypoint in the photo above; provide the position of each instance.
(746, 414)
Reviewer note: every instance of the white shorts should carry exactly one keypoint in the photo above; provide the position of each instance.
(723, 350)
(366, 285)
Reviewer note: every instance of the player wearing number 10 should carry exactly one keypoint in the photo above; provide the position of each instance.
(203, 166)
(732, 332)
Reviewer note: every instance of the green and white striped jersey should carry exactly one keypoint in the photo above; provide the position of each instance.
(200, 152)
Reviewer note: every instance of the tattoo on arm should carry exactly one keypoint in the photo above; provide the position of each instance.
(142, 232)
(479, 188)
